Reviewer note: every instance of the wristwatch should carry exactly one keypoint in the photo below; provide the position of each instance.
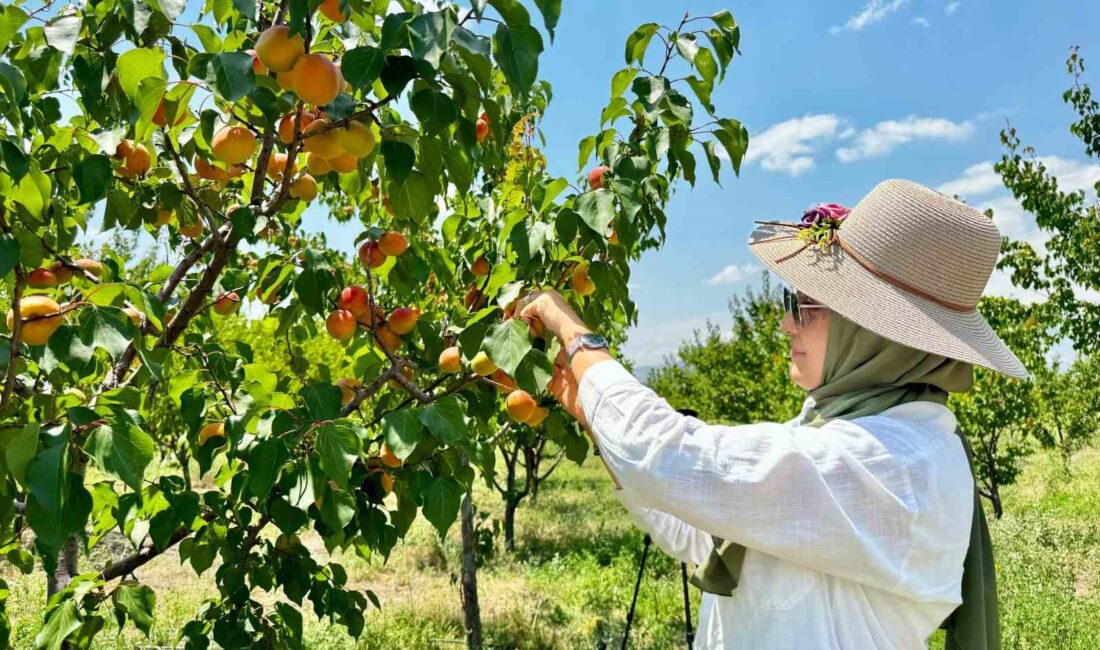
(586, 341)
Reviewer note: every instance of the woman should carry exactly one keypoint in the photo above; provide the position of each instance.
(848, 526)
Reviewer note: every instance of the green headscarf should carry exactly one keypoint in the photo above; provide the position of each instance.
(866, 374)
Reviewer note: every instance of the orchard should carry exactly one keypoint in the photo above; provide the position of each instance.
(220, 130)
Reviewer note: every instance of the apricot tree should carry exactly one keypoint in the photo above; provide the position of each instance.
(211, 129)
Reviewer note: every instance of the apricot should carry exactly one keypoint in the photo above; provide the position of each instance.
(194, 231)
(450, 361)
(163, 217)
(365, 319)
(331, 10)
(348, 386)
(317, 80)
(345, 163)
(41, 278)
(613, 239)
(504, 383)
(209, 172)
(304, 188)
(538, 416)
(393, 243)
(520, 405)
(91, 267)
(354, 298)
(233, 144)
(61, 272)
(325, 144)
(473, 297)
(317, 165)
(388, 458)
(370, 255)
(257, 65)
(482, 364)
(482, 129)
(227, 303)
(286, 125)
(161, 119)
(582, 284)
(285, 80)
(387, 483)
(480, 267)
(595, 177)
(135, 158)
(276, 165)
(269, 295)
(278, 50)
(340, 324)
(45, 315)
(388, 338)
(357, 139)
(403, 319)
(212, 430)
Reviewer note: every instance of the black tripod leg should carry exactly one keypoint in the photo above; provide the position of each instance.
(689, 633)
(637, 586)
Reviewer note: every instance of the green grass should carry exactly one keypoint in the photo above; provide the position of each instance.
(570, 580)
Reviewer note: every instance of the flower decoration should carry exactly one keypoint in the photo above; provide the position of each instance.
(820, 222)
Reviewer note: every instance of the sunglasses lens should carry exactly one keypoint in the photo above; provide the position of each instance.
(790, 303)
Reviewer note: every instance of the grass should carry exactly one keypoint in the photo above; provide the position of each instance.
(570, 580)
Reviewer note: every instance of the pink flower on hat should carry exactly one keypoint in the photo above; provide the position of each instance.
(821, 211)
(820, 222)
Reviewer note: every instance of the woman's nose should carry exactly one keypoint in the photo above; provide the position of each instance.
(788, 326)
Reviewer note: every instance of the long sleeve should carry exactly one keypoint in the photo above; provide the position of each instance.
(681, 541)
(834, 501)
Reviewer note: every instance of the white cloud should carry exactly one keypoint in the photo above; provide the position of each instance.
(649, 343)
(922, 21)
(951, 8)
(732, 274)
(872, 12)
(975, 180)
(789, 146)
(886, 136)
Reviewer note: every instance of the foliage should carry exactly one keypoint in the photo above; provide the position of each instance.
(144, 360)
(737, 377)
(1068, 402)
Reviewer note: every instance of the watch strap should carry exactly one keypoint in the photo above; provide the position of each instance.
(585, 342)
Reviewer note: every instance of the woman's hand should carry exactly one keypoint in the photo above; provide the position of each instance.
(563, 386)
(547, 309)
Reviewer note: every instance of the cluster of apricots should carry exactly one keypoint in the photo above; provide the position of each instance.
(374, 252)
(521, 406)
(355, 309)
(40, 315)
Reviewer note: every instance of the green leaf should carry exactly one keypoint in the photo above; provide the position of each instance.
(265, 462)
(442, 498)
(513, 13)
(435, 110)
(140, 63)
(547, 191)
(33, 192)
(62, 31)
(322, 401)
(638, 42)
(136, 602)
(551, 12)
(534, 373)
(586, 147)
(597, 209)
(17, 162)
(713, 160)
(11, 19)
(338, 448)
(650, 89)
(394, 31)
(704, 62)
(61, 622)
(722, 47)
(92, 177)
(171, 8)
(447, 421)
(20, 445)
(397, 72)
(621, 79)
(362, 65)
(412, 197)
(231, 74)
(121, 450)
(399, 158)
(702, 90)
(725, 21)
(507, 343)
(734, 137)
(9, 253)
(107, 328)
(403, 431)
(516, 50)
(58, 504)
(686, 46)
(429, 34)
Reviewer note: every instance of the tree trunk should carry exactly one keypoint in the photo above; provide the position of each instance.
(66, 566)
(470, 604)
(995, 499)
(510, 504)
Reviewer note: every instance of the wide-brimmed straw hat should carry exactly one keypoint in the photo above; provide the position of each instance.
(907, 263)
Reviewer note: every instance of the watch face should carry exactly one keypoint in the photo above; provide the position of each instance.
(593, 341)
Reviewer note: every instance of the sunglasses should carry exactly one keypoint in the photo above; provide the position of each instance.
(794, 302)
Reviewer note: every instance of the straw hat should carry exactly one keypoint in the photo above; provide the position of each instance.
(907, 263)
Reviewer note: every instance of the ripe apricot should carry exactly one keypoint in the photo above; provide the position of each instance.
(286, 125)
(135, 315)
(233, 144)
(348, 386)
(392, 243)
(41, 278)
(209, 172)
(44, 315)
(304, 188)
(450, 360)
(317, 80)
(317, 165)
(354, 298)
(473, 297)
(370, 255)
(276, 165)
(388, 458)
(341, 324)
(61, 272)
(595, 177)
(194, 231)
(163, 217)
(520, 405)
(345, 163)
(538, 416)
(278, 50)
(227, 303)
(257, 65)
(480, 267)
(331, 10)
(504, 383)
(357, 139)
(325, 144)
(89, 266)
(482, 127)
(403, 319)
(365, 319)
(388, 338)
(161, 119)
(135, 158)
(582, 284)
(482, 364)
(212, 430)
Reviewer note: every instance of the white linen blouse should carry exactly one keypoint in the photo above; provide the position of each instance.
(855, 531)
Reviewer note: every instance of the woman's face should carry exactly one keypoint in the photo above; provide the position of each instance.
(808, 343)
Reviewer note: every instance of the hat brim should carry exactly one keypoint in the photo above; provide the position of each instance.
(836, 280)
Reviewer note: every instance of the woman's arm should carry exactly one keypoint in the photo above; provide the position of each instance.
(672, 535)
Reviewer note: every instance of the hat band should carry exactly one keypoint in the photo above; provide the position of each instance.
(870, 268)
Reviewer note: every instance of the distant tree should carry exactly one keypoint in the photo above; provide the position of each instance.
(1068, 401)
(737, 376)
